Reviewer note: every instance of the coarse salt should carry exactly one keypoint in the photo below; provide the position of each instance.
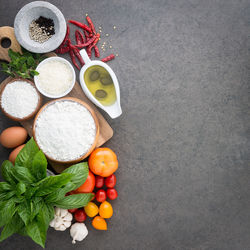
(65, 130)
(55, 77)
(19, 99)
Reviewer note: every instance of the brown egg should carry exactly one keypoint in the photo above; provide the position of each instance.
(13, 136)
(14, 153)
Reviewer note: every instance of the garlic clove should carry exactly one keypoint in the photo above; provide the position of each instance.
(58, 222)
(64, 212)
(67, 224)
(62, 228)
(52, 223)
(68, 217)
(57, 211)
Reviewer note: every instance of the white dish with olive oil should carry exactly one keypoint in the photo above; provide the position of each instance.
(101, 86)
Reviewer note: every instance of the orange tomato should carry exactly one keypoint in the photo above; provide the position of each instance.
(106, 210)
(88, 186)
(91, 209)
(99, 223)
(103, 162)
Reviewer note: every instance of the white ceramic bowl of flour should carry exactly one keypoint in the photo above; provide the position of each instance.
(56, 77)
(19, 99)
(66, 130)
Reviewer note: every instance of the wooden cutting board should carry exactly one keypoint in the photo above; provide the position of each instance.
(106, 132)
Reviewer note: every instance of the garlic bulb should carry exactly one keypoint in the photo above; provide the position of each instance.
(62, 219)
(78, 231)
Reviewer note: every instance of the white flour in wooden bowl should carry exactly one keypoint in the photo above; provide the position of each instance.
(65, 130)
(19, 99)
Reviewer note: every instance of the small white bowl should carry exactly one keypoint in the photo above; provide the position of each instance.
(32, 11)
(55, 58)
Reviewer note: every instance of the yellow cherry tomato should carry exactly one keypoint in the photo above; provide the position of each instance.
(91, 209)
(105, 210)
(99, 223)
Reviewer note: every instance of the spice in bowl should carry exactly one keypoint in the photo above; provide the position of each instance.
(20, 99)
(65, 130)
(56, 77)
(41, 29)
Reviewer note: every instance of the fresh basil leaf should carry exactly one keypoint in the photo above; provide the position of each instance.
(80, 172)
(4, 66)
(34, 73)
(13, 55)
(24, 211)
(60, 193)
(4, 186)
(23, 174)
(30, 61)
(11, 227)
(30, 192)
(23, 67)
(7, 210)
(7, 172)
(20, 188)
(36, 231)
(51, 183)
(6, 195)
(36, 204)
(26, 155)
(74, 201)
(39, 166)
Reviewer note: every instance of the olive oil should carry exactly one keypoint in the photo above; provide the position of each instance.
(100, 84)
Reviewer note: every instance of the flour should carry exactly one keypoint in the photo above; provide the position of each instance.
(55, 77)
(65, 130)
(19, 99)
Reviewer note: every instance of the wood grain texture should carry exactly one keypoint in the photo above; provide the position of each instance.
(106, 132)
(8, 32)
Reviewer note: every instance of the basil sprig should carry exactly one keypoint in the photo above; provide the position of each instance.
(28, 195)
(22, 65)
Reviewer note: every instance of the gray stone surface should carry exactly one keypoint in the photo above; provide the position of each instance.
(183, 140)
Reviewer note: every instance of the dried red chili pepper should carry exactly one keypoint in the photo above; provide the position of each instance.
(66, 36)
(76, 51)
(108, 58)
(72, 54)
(89, 48)
(91, 25)
(81, 25)
(97, 53)
(73, 58)
(62, 50)
(81, 36)
(90, 41)
(78, 39)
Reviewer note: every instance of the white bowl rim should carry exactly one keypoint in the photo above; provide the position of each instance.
(54, 58)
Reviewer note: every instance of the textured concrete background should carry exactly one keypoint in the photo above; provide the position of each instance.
(183, 140)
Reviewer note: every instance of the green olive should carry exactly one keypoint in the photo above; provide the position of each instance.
(100, 93)
(106, 80)
(94, 75)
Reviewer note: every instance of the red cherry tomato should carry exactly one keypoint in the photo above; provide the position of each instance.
(88, 186)
(99, 181)
(112, 193)
(100, 195)
(80, 215)
(110, 181)
(72, 210)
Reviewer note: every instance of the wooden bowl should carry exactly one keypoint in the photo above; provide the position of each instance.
(33, 113)
(96, 124)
